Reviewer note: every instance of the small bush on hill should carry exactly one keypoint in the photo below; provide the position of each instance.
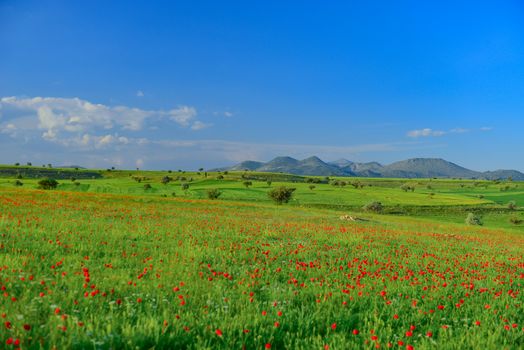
(512, 205)
(213, 193)
(374, 206)
(47, 184)
(281, 194)
(474, 220)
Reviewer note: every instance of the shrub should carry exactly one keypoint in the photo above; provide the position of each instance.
(18, 183)
(247, 183)
(220, 177)
(166, 179)
(147, 187)
(474, 220)
(515, 220)
(185, 186)
(213, 193)
(47, 184)
(374, 206)
(281, 194)
(512, 205)
(407, 187)
(268, 182)
(312, 187)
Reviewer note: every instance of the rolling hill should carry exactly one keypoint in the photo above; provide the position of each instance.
(409, 168)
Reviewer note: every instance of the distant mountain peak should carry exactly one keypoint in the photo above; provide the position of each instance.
(409, 168)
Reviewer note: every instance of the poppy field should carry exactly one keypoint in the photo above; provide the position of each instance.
(104, 271)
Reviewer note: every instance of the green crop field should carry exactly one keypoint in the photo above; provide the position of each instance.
(126, 260)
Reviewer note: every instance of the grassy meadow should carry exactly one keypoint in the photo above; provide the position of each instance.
(127, 262)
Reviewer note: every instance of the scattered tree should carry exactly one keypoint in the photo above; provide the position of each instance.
(281, 194)
(165, 180)
(247, 183)
(312, 187)
(374, 206)
(47, 184)
(213, 193)
(474, 220)
(407, 187)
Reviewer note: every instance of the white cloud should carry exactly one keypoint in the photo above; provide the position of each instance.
(182, 115)
(425, 133)
(8, 129)
(486, 128)
(140, 93)
(459, 130)
(228, 114)
(198, 125)
(68, 120)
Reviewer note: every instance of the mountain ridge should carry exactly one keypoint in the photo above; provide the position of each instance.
(409, 168)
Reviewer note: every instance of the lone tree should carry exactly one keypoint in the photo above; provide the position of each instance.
(312, 187)
(213, 193)
(474, 219)
(165, 180)
(147, 187)
(374, 206)
(281, 194)
(268, 182)
(247, 183)
(407, 187)
(185, 187)
(512, 205)
(47, 184)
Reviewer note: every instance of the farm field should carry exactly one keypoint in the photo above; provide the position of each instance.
(111, 264)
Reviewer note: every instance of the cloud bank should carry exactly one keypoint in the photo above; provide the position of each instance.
(73, 121)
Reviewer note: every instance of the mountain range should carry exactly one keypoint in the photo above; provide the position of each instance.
(410, 168)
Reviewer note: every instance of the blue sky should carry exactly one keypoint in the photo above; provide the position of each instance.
(185, 84)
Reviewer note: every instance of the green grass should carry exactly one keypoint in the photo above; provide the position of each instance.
(91, 268)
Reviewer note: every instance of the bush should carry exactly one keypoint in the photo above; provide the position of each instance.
(407, 187)
(185, 186)
(281, 194)
(374, 206)
(311, 187)
(47, 184)
(147, 187)
(515, 220)
(18, 183)
(247, 183)
(213, 193)
(474, 220)
(512, 205)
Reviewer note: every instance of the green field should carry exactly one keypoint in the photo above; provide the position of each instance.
(111, 263)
